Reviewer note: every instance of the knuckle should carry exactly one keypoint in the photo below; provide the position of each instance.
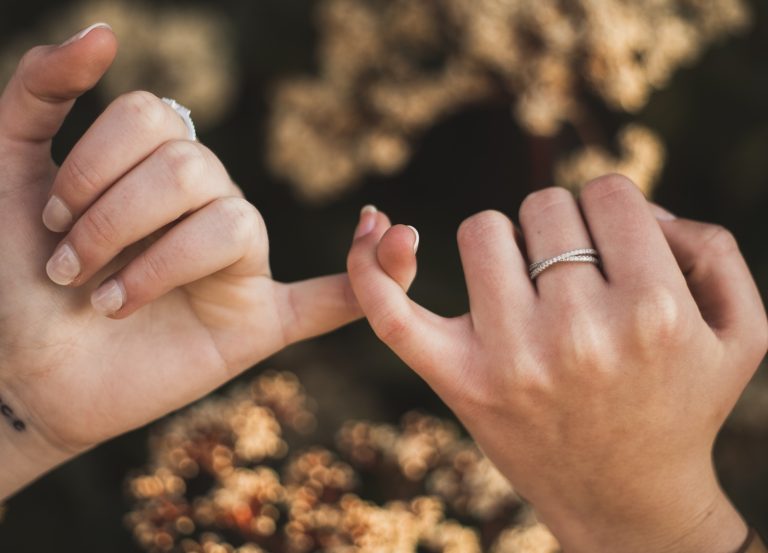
(391, 328)
(719, 242)
(184, 162)
(99, 228)
(28, 61)
(657, 320)
(483, 225)
(585, 340)
(608, 185)
(143, 107)
(241, 220)
(81, 176)
(542, 200)
(357, 264)
(154, 268)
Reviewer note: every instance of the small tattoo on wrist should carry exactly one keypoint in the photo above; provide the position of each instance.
(7, 412)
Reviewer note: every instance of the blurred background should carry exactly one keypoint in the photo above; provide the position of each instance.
(432, 110)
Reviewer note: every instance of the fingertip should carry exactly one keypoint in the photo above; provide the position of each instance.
(69, 69)
(396, 253)
(109, 298)
(373, 223)
(57, 217)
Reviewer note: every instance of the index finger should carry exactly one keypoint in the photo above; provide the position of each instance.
(721, 283)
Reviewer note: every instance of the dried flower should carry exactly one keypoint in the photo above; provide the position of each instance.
(216, 470)
(641, 158)
(528, 539)
(389, 70)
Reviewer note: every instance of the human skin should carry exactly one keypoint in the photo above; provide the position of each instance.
(598, 391)
(169, 293)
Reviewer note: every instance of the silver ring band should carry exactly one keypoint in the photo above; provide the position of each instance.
(186, 116)
(582, 255)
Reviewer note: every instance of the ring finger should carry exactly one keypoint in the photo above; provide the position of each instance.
(552, 225)
(181, 177)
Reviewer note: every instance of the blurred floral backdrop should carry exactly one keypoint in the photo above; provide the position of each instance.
(432, 110)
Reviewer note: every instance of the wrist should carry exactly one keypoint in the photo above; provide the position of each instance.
(695, 518)
(27, 452)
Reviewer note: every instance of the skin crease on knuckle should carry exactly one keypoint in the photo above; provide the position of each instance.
(240, 219)
(482, 227)
(719, 242)
(539, 202)
(95, 229)
(28, 64)
(607, 185)
(81, 177)
(184, 163)
(154, 269)
(144, 109)
(655, 320)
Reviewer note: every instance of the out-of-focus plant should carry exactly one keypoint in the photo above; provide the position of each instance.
(179, 52)
(390, 69)
(223, 479)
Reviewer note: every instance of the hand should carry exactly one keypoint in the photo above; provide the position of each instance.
(163, 288)
(597, 391)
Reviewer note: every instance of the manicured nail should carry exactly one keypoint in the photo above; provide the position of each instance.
(367, 221)
(85, 31)
(56, 216)
(416, 241)
(64, 266)
(661, 214)
(108, 298)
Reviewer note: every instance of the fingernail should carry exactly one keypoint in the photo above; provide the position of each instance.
(367, 221)
(85, 31)
(108, 298)
(416, 241)
(63, 267)
(56, 216)
(661, 214)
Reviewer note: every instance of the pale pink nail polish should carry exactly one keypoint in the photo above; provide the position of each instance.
(416, 240)
(108, 298)
(64, 266)
(367, 221)
(82, 34)
(56, 215)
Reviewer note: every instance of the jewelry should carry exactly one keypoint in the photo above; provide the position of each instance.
(582, 255)
(185, 114)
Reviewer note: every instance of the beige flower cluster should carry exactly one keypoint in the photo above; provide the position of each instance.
(221, 479)
(641, 158)
(179, 52)
(390, 69)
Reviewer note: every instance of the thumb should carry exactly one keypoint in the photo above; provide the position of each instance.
(48, 80)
